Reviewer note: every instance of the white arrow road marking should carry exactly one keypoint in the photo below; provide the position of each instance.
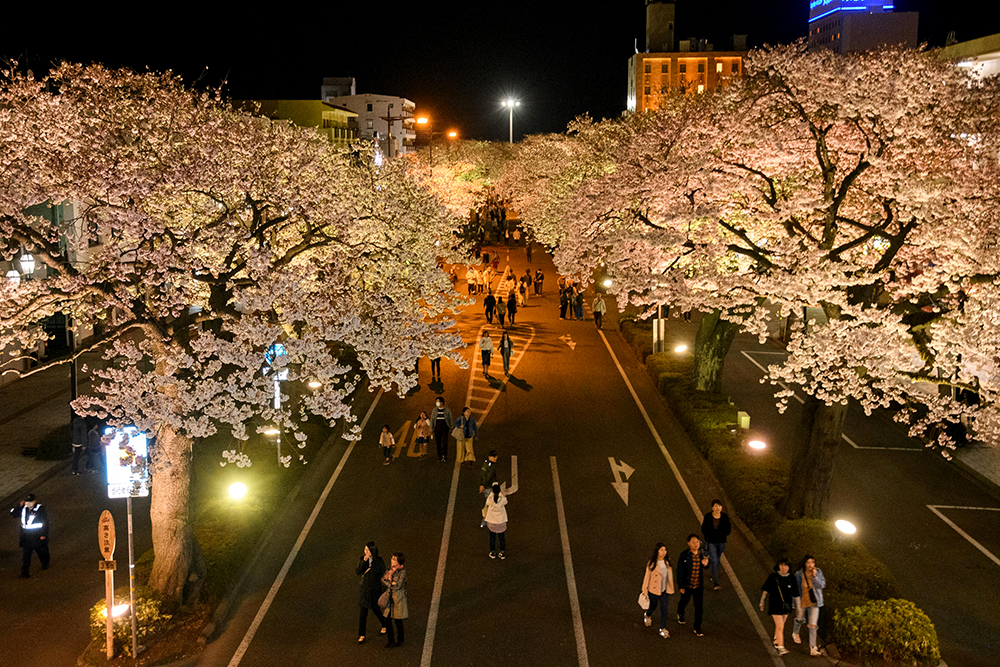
(568, 340)
(513, 478)
(626, 471)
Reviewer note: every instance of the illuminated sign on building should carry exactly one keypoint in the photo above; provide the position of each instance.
(128, 462)
(820, 8)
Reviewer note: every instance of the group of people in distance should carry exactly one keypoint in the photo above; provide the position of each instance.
(800, 593)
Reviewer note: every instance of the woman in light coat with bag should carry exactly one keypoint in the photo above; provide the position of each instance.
(495, 513)
(657, 587)
(397, 609)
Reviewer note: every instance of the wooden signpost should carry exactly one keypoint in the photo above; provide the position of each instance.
(106, 538)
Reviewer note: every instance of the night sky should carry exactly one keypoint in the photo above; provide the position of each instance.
(456, 60)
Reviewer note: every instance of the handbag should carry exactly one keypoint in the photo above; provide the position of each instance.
(644, 600)
(812, 596)
(458, 433)
(383, 600)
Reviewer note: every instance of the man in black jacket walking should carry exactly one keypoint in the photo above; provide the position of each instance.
(690, 580)
(34, 536)
(716, 528)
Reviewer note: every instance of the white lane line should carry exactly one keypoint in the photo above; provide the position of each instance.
(936, 509)
(747, 605)
(800, 400)
(574, 598)
(432, 615)
(258, 619)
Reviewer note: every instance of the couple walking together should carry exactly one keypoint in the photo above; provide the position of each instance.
(464, 429)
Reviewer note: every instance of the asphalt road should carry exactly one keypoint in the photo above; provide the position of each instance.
(567, 415)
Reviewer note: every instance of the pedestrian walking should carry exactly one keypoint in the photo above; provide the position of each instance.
(578, 301)
(781, 586)
(501, 310)
(423, 434)
(495, 513)
(486, 347)
(388, 443)
(658, 586)
(811, 582)
(599, 309)
(397, 610)
(716, 528)
(470, 279)
(522, 294)
(487, 275)
(78, 438)
(506, 349)
(690, 576)
(442, 421)
(511, 308)
(539, 277)
(563, 303)
(527, 250)
(488, 473)
(436, 368)
(370, 569)
(466, 430)
(486, 257)
(94, 447)
(489, 307)
(34, 533)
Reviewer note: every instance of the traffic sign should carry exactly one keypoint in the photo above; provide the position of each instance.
(106, 535)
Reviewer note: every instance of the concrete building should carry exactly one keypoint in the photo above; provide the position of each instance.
(694, 67)
(343, 86)
(847, 26)
(338, 124)
(981, 55)
(385, 118)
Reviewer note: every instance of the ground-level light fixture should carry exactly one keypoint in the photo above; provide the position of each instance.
(845, 526)
(757, 444)
(237, 490)
(680, 348)
(116, 611)
(315, 384)
(13, 277)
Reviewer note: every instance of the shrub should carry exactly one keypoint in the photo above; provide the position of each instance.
(755, 483)
(894, 631)
(150, 619)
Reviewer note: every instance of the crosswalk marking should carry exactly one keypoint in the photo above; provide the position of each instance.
(481, 385)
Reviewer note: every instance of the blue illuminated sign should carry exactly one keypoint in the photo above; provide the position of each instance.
(820, 8)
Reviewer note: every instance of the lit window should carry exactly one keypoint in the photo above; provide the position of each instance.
(371, 125)
(718, 67)
(701, 88)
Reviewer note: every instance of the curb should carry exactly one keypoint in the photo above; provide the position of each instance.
(59, 468)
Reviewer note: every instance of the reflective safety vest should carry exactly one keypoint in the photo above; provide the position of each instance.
(28, 518)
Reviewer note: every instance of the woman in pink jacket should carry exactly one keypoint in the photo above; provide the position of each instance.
(658, 584)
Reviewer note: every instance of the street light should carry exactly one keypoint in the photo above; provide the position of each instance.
(27, 264)
(451, 134)
(237, 490)
(509, 104)
(845, 526)
(315, 384)
(680, 349)
(14, 277)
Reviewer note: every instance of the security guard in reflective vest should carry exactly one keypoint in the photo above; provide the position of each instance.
(34, 532)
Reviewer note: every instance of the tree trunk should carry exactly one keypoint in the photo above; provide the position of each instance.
(821, 431)
(178, 570)
(715, 337)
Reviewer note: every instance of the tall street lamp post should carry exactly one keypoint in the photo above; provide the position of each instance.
(509, 104)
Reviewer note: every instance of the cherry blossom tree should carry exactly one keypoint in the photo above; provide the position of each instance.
(220, 234)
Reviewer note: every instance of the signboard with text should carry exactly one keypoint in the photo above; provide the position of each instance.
(128, 463)
(106, 534)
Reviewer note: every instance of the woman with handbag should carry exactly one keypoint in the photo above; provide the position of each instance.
(396, 607)
(657, 587)
(811, 583)
(496, 521)
(781, 586)
(370, 569)
(465, 431)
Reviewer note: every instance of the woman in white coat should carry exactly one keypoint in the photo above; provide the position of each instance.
(496, 521)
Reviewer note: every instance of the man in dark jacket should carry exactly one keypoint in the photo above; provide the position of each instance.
(488, 473)
(489, 306)
(78, 438)
(690, 580)
(716, 528)
(34, 536)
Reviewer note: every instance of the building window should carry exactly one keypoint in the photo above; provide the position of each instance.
(665, 68)
(369, 106)
(649, 68)
(647, 89)
(371, 124)
(718, 68)
(664, 90)
(684, 68)
(701, 68)
(736, 68)
(701, 88)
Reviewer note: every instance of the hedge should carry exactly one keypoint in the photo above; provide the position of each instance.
(860, 594)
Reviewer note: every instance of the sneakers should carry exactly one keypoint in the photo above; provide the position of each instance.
(782, 650)
(646, 620)
(493, 554)
(796, 638)
(699, 633)
(664, 633)
(680, 619)
(716, 587)
(814, 651)
(502, 555)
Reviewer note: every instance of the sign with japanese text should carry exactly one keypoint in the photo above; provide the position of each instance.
(128, 462)
(106, 534)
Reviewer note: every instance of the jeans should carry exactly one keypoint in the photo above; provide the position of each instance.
(698, 595)
(493, 541)
(715, 551)
(489, 316)
(506, 363)
(598, 319)
(811, 619)
(662, 601)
